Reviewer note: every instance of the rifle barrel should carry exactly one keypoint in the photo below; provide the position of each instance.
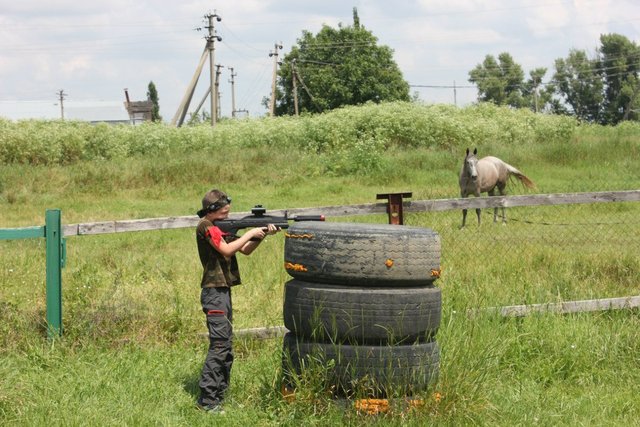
(308, 218)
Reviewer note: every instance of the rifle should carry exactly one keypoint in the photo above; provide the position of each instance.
(259, 219)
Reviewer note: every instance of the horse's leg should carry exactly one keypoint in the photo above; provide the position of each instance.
(502, 193)
(477, 194)
(492, 192)
(464, 213)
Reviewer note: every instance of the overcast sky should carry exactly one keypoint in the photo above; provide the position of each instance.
(93, 50)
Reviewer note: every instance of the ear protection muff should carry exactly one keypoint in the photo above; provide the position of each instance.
(218, 204)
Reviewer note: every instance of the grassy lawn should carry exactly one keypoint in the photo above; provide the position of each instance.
(560, 370)
(134, 341)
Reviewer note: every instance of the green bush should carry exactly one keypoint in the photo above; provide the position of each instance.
(370, 126)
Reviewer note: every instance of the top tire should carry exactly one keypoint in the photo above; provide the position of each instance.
(361, 254)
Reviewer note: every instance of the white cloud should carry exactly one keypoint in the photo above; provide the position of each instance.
(550, 20)
(42, 63)
(76, 65)
(93, 50)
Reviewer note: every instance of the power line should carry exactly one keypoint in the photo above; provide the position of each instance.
(444, 86)
(227, 30)
(506, 69)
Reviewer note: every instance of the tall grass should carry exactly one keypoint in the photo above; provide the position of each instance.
(134, 333)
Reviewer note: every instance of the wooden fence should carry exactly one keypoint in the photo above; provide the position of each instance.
(366, 209)
(408, 206)
(566, 307)
(379, 208)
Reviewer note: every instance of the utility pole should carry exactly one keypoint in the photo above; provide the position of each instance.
(535, 93)
(61, 96)
(455, 95)
(181, 113)
(208, 51)
(272, 109)
(233, 93)
(211, 46)
(217, 90)
(294, 78)
(204, 98)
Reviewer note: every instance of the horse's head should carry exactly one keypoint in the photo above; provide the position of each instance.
(470, 164)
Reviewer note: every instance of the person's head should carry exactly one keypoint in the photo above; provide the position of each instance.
(215, 203)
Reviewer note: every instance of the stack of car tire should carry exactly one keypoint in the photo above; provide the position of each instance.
(363, 304)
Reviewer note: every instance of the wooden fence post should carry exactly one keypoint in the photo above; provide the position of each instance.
(394, 206)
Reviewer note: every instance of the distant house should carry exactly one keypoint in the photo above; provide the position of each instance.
(139, 111)
(111, 112)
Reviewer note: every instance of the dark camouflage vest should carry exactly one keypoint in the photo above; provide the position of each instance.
(218, 269)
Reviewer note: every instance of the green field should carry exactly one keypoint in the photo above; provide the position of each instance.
(134, 334)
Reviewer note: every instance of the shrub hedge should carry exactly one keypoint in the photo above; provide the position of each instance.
(368, 129)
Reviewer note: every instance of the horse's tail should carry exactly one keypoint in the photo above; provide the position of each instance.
(522, 177)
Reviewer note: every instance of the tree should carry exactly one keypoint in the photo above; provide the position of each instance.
(577, 81)
(619, 64)
(152, 95)
(538, 97)
(338, 67)
(499, 81)
(197, 118)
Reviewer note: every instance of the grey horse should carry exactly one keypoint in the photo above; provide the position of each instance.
(484, 176)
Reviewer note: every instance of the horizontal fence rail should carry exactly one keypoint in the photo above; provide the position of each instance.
(21, 233)
(366, 209)
(56, 247)
(566, 307)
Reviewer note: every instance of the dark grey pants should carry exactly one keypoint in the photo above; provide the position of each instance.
(216, 372)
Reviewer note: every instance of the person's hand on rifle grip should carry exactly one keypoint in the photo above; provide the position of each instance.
(271, 229)
(257, 233)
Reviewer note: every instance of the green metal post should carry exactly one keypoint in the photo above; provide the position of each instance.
(53, 234)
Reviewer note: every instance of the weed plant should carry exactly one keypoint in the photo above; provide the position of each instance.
(134, 336)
